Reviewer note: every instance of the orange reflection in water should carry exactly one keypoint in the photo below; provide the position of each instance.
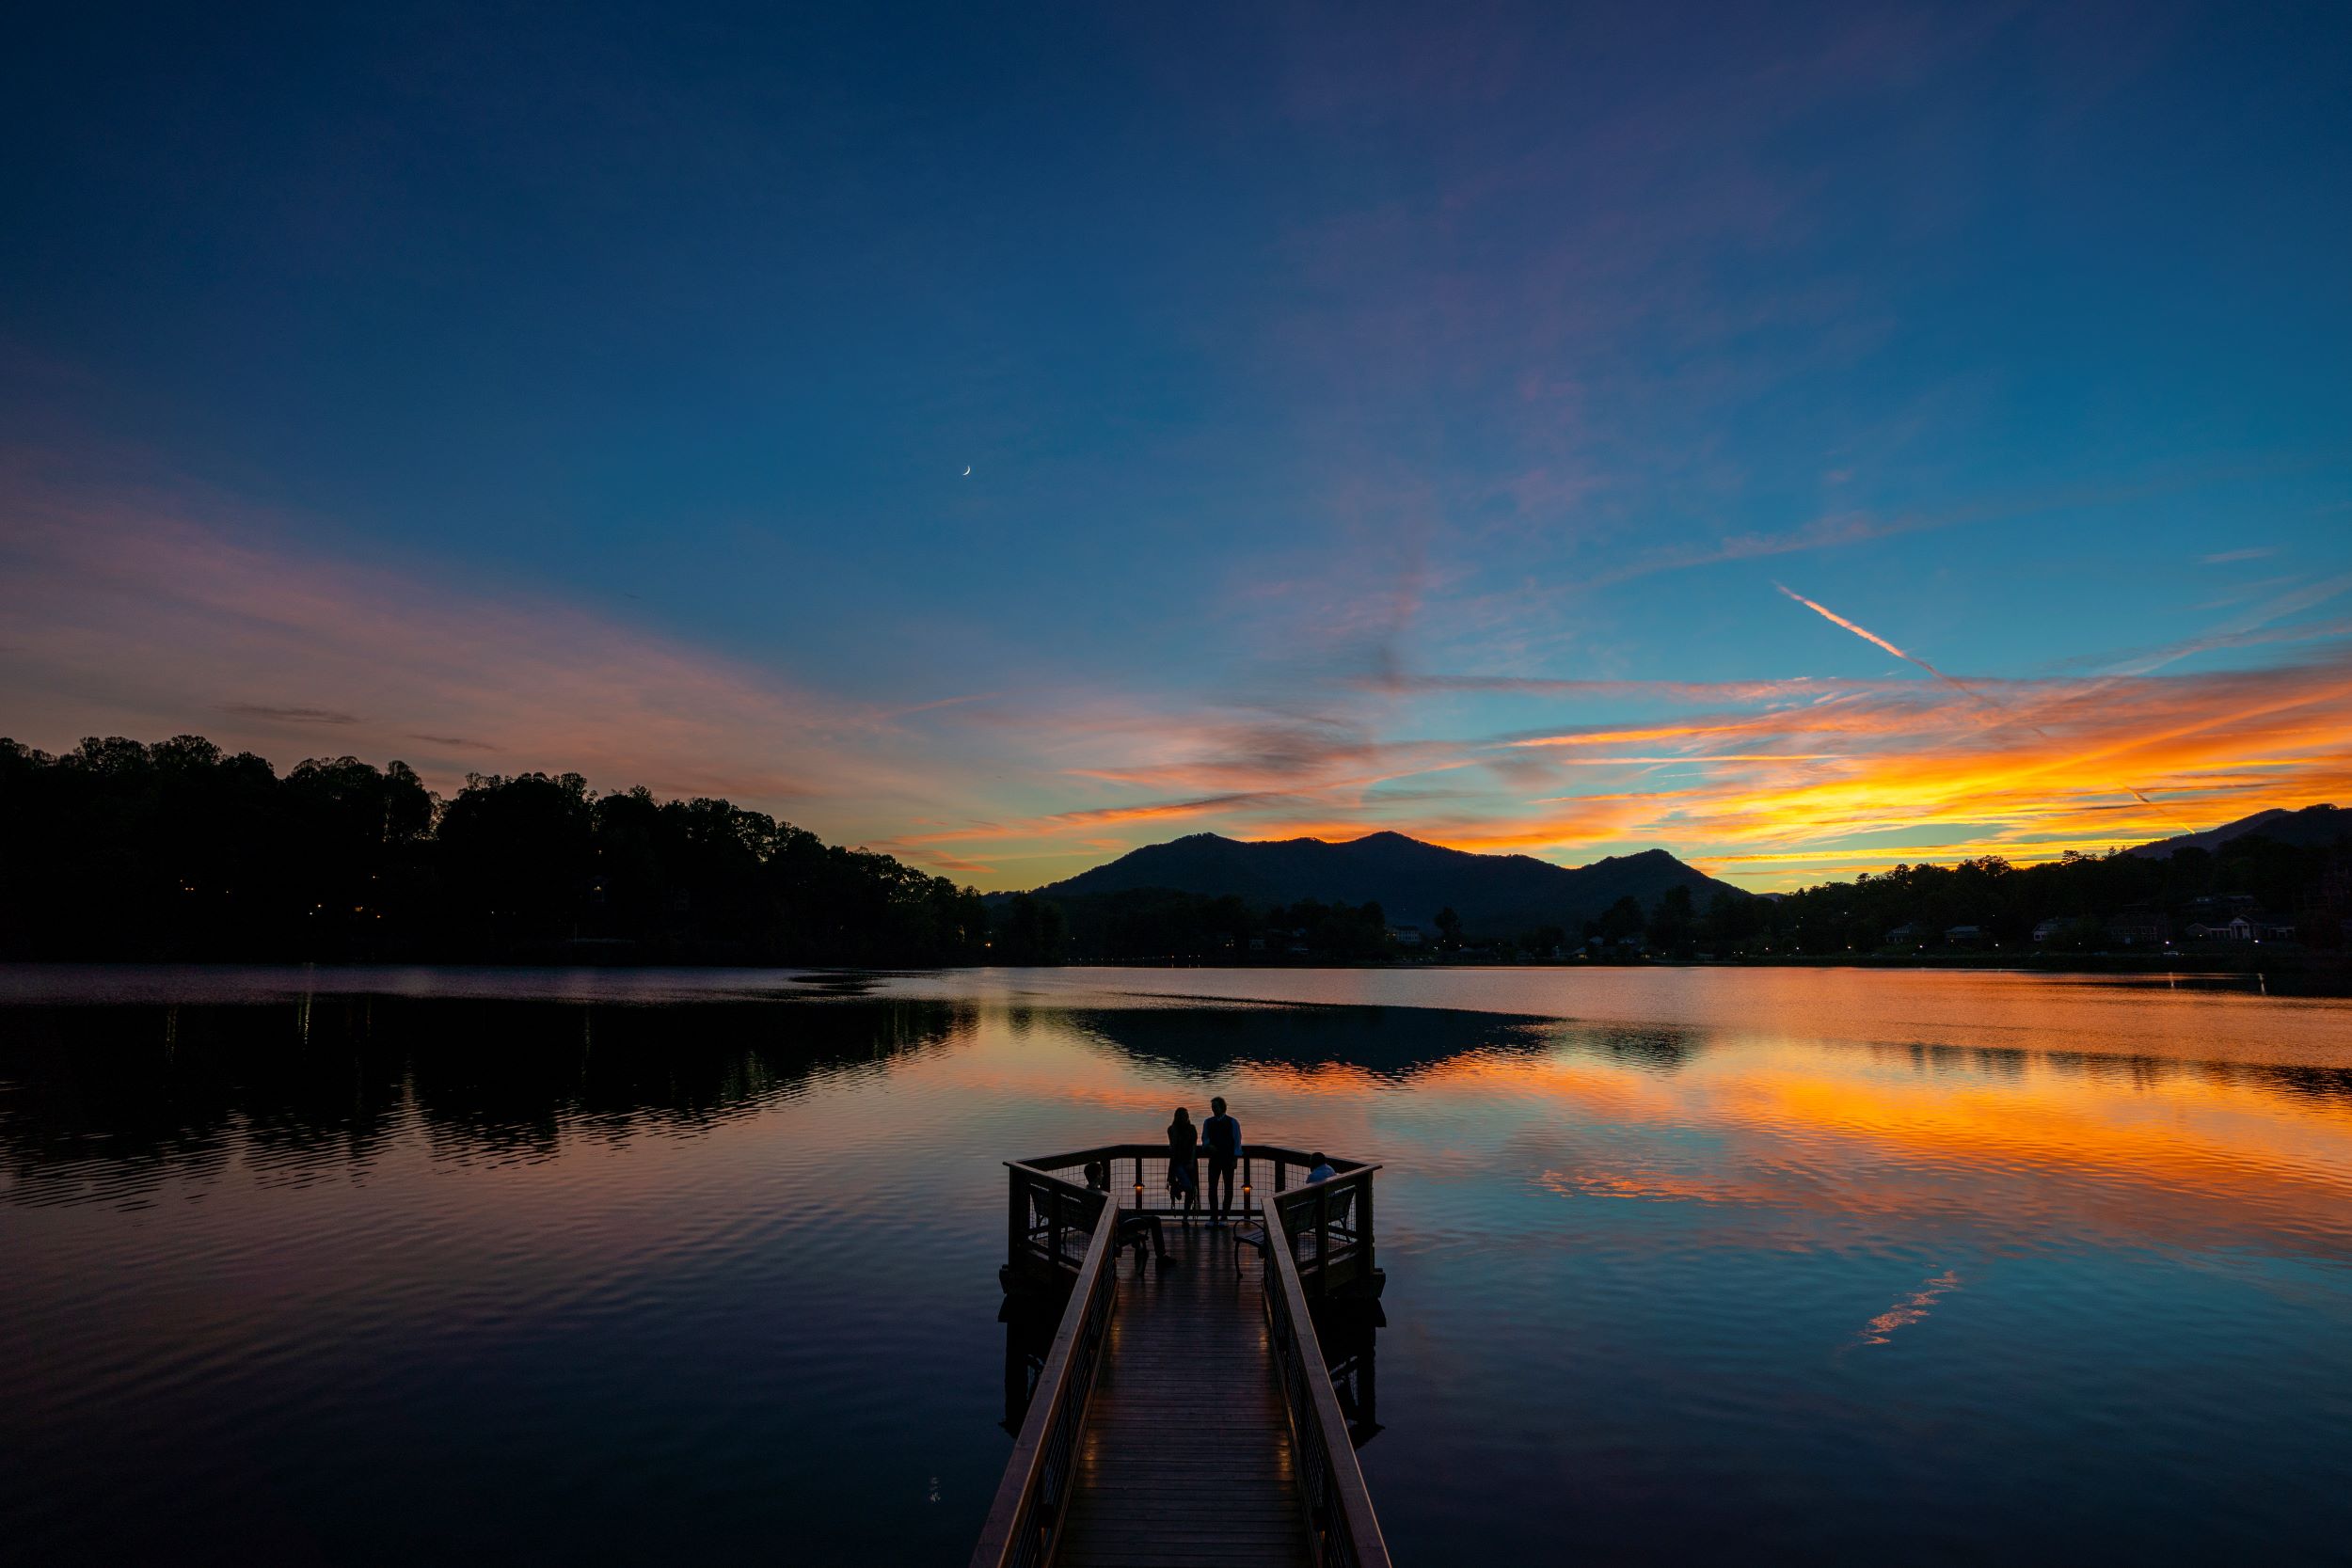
(2166, 1154)
(1768, 1130)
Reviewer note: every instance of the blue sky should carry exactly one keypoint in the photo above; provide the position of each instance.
(1351, 395)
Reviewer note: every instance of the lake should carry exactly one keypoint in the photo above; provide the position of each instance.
(389, 1266)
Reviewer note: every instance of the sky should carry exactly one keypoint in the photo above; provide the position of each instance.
(1804, 439)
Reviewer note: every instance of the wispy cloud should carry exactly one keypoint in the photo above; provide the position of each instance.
(131, 614)
(1820, 534)
(1857, 773)
(290, 715)
(137, 618)
(2235, 632)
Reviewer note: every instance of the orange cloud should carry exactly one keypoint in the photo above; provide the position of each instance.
(1839, 778)
(143, 618)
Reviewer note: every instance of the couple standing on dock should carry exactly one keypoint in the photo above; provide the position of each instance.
(1221, 1135)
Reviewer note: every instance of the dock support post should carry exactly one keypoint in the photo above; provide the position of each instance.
(1016, 1220)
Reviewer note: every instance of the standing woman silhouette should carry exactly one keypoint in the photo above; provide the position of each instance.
(1183, 1169)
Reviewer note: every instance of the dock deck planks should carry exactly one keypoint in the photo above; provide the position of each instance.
(1186, 1459)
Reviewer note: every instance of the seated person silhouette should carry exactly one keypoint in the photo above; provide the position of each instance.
(1132, 1227)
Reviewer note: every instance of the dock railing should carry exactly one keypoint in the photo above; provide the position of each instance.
(1063, 1226)
(1344, 1531)
(1330, 1222)
(1049, 1219)
(1328, 1226)
(1030, 1500)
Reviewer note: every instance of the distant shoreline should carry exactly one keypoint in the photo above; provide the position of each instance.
(2320, 975)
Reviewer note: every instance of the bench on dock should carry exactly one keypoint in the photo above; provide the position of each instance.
(1185, 1414)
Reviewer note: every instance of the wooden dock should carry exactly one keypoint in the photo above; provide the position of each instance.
(1184, 1414)
(1185, 1409)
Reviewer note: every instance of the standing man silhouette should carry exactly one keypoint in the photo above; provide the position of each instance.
(1221, 1138)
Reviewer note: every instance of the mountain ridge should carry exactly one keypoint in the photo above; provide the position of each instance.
(2311, 827)
(1411, 879)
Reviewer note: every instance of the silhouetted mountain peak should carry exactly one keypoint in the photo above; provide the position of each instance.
(1409, 877)
(2311, 825)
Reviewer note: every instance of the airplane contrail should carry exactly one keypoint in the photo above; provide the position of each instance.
(1828, 615)
(1956, 684)
(1869, 635)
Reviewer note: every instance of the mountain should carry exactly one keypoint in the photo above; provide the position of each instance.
(1495, 894)
(2313, 827)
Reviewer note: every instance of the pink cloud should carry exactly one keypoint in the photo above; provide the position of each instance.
(138, 617)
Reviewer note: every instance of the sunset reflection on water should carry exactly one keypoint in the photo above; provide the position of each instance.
(371, 1266)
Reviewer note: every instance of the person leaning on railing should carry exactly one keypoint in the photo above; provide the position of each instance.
(1183, 1169)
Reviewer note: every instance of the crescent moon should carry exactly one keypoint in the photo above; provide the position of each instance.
(967, 470)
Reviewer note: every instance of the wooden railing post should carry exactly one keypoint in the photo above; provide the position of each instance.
(1363, 1223)
(1322, 1237)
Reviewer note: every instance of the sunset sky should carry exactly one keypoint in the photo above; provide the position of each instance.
(1804, 438)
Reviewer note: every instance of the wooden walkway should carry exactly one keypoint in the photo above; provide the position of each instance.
(1184, 1415)
(1185, 1461)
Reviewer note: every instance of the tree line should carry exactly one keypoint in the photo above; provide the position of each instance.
(2078, 902)
(181, 850)
(1161, 924)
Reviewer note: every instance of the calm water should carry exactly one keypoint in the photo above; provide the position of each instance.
(378, 1267)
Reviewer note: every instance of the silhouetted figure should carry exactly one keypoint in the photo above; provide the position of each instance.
(1135, 1227)
(1222, 1134)
(1320, 1170)
(1184, 1166)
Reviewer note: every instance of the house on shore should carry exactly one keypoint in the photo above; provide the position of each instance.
(2254, 926)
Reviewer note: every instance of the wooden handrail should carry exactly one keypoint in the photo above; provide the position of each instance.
(1047, 1178)
(1139, 1157)
(1059, 1200)
(1346, 1532)
(1313, 1212)
(1078, 1157)
(1022, 1521)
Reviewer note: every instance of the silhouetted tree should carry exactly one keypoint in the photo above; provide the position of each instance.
(122, 850)
(1672, 923)
(118, 849)
(1033, 932)
(1621, 922)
